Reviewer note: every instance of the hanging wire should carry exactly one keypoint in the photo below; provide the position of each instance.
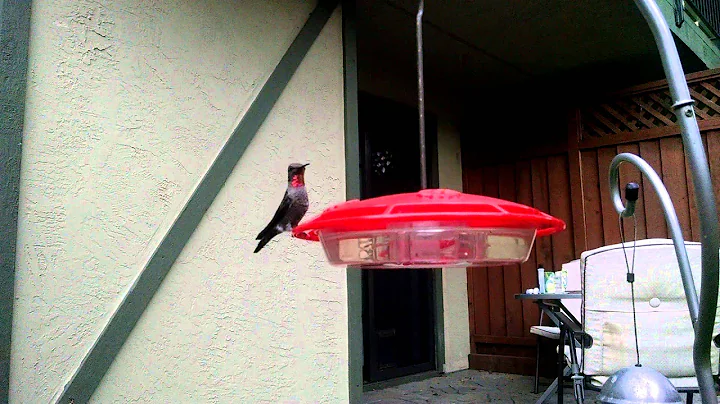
(421, 94)
(631, 278)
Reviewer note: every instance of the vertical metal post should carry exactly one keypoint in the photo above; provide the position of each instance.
(704, 195)
(421, 94)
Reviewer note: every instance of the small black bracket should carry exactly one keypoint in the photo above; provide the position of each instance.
(632, 191)
(679, 13)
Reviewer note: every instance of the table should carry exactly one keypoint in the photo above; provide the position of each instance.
(551, 305)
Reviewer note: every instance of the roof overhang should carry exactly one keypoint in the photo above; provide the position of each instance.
(496, 43)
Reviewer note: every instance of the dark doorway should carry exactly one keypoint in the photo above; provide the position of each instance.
(398, 305)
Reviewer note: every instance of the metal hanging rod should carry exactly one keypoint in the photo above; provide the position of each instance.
(421, 94)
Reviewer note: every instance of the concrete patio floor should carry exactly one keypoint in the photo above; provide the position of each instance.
(470, 386)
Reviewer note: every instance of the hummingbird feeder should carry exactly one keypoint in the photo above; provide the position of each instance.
(433, 227)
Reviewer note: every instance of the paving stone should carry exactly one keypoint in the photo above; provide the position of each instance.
(469, 386)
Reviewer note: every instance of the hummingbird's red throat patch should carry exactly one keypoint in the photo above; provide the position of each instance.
(297, 180)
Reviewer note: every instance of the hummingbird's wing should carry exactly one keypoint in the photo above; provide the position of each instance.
(279, 214)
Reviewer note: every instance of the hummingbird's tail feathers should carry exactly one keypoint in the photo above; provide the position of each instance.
(265, 239)
(269, 231)
(261, 244)
(262, 233)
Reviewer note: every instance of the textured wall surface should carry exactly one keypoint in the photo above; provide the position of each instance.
(128, 103)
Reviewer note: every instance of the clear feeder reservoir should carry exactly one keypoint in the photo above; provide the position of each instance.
(428, 246)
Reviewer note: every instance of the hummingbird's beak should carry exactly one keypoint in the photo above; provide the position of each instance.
(305, 165)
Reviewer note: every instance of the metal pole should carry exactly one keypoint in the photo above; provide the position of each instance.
(421, 94)
(704, 196)
(670, 217)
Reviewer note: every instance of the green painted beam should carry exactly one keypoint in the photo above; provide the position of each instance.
(103, 352)
(352, 191)
(14, 42)
(691, 35)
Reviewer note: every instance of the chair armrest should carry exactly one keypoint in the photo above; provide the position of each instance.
(569, 323)
(575, 330)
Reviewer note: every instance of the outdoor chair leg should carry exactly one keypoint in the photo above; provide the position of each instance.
(537, 365)
(561, 365)
(577, 378)
(537, 358)
(689, 397)
(579, 391)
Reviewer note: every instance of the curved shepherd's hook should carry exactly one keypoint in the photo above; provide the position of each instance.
(670, 217)
(678, 240)
(704, 197)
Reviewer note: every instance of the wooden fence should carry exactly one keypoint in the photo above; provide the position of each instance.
(570, 181)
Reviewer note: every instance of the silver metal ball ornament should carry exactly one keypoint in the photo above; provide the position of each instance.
(638, 384)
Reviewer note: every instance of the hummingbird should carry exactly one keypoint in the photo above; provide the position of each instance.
(293, 207)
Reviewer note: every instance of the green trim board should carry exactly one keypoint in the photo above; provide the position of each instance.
(94, 366)
(14, 43)
(692, 35)
(352, 191)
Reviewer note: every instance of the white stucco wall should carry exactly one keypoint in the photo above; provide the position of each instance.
(128, 102)
(454, 280)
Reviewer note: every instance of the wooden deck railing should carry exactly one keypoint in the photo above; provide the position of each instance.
(709, 11)
(645, 112)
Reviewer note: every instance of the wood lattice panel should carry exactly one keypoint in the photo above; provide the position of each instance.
(648, 109)
(568, 179)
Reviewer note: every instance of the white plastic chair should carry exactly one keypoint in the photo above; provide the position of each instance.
(665, 333)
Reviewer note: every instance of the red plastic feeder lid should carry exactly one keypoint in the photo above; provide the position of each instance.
(434, 207)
